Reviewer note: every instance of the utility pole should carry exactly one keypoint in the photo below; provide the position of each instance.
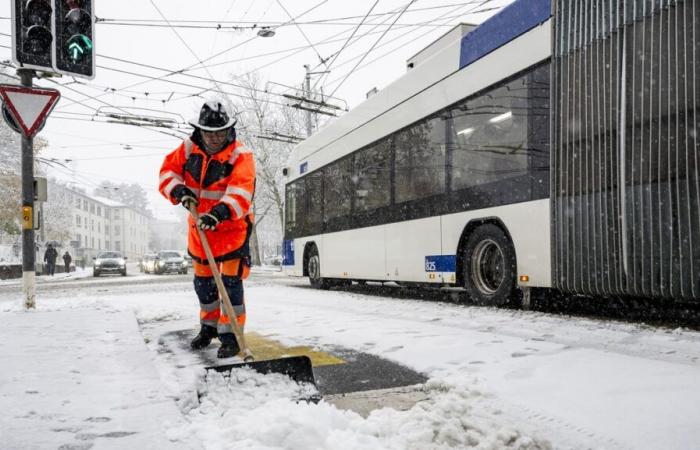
(307, 95)
(28, 242)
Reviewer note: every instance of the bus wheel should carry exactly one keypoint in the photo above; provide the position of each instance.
(489, 266)
(314, 269)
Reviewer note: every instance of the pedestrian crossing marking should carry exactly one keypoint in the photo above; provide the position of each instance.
(265, 348)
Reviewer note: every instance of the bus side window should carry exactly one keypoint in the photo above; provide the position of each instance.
(420, 160)
(372, 177)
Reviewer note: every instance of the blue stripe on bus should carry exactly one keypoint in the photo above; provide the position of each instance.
(288, 253)
(303, 167)
(514, 20)
(441, 263)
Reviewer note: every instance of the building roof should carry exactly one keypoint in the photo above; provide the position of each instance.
(108, 202)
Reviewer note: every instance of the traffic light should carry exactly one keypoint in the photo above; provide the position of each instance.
(74, 37)
(32, 35)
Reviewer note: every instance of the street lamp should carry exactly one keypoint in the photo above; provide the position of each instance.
(266, 32)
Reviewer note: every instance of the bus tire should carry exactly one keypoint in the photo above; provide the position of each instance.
(489, 266)
(314, 270)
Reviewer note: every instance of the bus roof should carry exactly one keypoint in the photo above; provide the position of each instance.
(505, 26)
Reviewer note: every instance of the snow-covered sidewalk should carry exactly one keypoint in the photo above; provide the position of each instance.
(81, 378)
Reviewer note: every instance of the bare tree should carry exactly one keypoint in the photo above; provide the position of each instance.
(58, 220)
(133, 194)
(258, 121)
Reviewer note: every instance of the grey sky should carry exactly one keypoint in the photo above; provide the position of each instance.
(98, 149)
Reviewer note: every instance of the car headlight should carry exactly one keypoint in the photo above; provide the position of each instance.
(97, 263)
(162, 263)
(122, 263)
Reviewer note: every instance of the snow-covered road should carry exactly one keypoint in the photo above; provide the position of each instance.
(498, 378)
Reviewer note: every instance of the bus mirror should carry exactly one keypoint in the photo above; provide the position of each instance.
(285, 171)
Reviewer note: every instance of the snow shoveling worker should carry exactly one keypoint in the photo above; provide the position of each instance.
(216, 173)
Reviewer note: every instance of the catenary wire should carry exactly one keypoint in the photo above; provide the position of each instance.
(345, 44)
(371, 48)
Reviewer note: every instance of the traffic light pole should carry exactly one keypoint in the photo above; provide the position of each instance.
(28, 242)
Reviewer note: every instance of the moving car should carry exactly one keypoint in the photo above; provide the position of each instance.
(148, 263)
(109, 262)
(170, 261)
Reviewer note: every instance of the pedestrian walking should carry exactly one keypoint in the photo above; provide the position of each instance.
(67, 260)
(50, 256)
(216, 173)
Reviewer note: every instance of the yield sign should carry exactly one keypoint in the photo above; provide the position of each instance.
(29, 106)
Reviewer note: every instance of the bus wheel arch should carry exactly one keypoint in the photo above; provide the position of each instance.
(312, 267)
(307, 254)
(482, 240)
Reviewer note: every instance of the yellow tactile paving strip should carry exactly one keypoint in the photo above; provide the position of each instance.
(265, 348)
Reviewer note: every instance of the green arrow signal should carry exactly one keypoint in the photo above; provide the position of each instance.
(78, 48)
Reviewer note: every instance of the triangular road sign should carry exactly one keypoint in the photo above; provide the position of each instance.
(29, 106)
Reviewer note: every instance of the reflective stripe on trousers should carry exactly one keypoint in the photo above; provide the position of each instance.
(211, 311)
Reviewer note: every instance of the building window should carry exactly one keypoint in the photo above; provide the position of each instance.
(118, 246)
(106, 229)
(85, 205)
(99, 210)
(116, 229)
(99, 243)
(106, 245)
(77, 202)
(85, 241)
(92, 208)
(98, 227)
(116, 213)
(77, 221)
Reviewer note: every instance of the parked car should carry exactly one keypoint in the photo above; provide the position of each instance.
(170, 261)
(109, 262)
(148, 263)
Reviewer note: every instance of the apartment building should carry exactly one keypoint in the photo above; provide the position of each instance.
(100, 224)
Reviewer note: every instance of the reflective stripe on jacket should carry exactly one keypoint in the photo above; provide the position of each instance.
(227, 177)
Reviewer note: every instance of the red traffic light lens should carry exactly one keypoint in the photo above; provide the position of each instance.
(77, 21)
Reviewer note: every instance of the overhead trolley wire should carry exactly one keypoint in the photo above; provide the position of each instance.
(183, 70)
(260, 23)
(327, 40)
(320, 58)
(335, 57)
(213, 80)
(471, 11)
(297, 50)
(371, 48)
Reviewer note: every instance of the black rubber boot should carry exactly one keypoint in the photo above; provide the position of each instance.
(229, 346)
(203, 339)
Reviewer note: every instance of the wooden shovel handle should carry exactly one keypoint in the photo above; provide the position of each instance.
(247, 354)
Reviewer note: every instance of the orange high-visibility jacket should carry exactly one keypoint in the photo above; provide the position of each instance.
(226, 177)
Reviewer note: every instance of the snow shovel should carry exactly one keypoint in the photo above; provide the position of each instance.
(298, 368)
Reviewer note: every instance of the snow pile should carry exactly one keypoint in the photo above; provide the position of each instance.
(255, 411)
(145, 315)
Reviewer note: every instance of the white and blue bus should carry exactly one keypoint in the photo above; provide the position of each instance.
(553, 146)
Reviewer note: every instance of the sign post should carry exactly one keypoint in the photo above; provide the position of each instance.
(29, 108)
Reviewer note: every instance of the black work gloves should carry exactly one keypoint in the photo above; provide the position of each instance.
(184, 195)
(210, 220)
